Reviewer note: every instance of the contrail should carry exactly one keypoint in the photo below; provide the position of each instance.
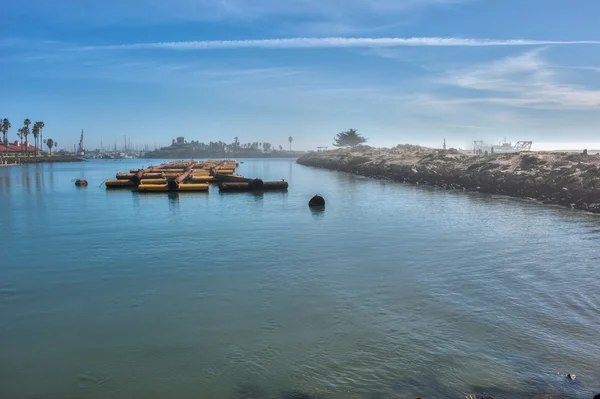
(335, 42)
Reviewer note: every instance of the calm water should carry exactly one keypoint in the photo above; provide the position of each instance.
(393, 291)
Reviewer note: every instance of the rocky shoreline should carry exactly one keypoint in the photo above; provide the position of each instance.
(568, 179)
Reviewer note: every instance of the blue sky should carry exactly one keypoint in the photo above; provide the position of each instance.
(399, 71)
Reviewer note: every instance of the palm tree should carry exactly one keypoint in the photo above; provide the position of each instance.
(50, 143)
(26, 122)
(5, 126)
(290, 139)
(20, 136)
(41, 125)
(36, 132)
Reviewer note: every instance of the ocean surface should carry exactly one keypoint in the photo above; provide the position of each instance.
(391, 291)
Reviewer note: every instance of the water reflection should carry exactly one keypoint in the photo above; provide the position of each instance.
(317, 212)
(173, 202)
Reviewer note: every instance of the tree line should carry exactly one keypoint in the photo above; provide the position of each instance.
(23, 134)
(235, 147)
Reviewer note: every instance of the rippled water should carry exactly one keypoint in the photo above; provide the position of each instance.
(393, 291)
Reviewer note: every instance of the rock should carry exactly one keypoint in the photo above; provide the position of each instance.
(557, 178)
(595, 207)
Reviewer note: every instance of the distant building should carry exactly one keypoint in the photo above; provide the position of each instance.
(18, 148)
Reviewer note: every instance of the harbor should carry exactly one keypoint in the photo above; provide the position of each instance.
(190, 176)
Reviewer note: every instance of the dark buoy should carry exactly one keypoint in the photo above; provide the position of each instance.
(255, 184)
(317, 200)
(172, 185)
(81, 183)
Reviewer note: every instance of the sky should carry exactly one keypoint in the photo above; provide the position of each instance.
(399, 71)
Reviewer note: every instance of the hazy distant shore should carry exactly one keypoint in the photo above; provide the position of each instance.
(174, 154)
(568, 179)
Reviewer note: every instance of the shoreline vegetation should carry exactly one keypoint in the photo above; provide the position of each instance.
(182, 149)
(23, 160)
(567, 179)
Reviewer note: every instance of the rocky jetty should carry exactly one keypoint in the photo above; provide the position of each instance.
(569, 179)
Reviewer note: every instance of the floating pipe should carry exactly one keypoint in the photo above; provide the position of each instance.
(153, 181)
(166, 188)
(153, 188)
(119, 183)
(125, 176)
(203, 179)
(268, 185)
(193, 187)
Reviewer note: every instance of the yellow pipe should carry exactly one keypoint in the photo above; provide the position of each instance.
(125, 176)
(202, 179)
(119, 183)
(153, 181)
(193, 187)
(153, 187)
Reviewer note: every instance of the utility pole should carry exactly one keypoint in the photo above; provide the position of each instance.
(444, 143)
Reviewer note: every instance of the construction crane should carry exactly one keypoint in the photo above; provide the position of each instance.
(81, 150)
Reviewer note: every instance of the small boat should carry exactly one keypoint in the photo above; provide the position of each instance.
(81, 183)
(232, 178)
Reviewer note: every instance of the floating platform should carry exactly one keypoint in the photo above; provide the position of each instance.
(190, 176)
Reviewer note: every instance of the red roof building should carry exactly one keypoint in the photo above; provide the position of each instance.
(17, 148)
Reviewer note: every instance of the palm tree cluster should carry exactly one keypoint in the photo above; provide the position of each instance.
(24, 132)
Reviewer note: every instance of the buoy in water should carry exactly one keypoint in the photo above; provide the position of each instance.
(317, 200)
(81, 183)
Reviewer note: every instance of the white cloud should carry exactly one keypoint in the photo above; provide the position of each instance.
(336, 42)
(526, 80)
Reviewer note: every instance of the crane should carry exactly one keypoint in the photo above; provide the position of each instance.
(81, 150)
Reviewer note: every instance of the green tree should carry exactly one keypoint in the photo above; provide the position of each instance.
(36, 133)
(5, 126)
(349, 138)
(20, 135)
(41, 125)
(266, 147)
(290, 139)
(26, 122)
(49, 143)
